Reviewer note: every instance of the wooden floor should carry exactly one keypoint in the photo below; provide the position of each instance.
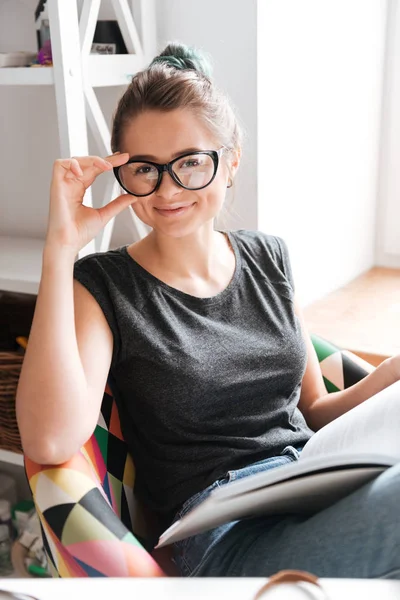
(363, 316)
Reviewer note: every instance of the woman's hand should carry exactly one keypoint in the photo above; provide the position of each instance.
(71, 224)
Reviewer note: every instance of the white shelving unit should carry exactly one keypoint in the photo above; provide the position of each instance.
(74, 75)
(103, 71)
(20, 264)
(26, 76)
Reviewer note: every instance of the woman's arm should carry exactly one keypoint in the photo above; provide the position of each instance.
(65, 366)
(70, 343)
(320, 408)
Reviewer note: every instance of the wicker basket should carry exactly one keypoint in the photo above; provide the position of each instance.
(10, 368)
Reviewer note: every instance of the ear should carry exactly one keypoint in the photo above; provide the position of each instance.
(235, 162)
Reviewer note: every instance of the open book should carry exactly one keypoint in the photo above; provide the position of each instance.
(338, 459)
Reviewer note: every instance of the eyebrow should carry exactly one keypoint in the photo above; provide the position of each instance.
(154, 158)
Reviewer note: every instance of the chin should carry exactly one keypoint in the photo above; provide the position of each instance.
(177, 231)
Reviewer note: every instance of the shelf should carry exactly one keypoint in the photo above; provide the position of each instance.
(103, 71)
(11, 458)
(26, 76)
(20, 264)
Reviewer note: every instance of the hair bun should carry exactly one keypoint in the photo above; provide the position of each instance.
(181, 57)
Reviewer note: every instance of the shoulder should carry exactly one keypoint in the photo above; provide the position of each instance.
(114, 278)
(103, 268)
(100, 260)
(260, 242)
(266, 252)
(103, 274)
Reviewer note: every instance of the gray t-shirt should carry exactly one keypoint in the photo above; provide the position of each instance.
(203, 385)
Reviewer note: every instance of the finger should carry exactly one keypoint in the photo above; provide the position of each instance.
(83, 168)
(112, 209)
(117, 160)
(68, 167)
(91, 167)
(75, 168)
(99, 163)
(90, 161)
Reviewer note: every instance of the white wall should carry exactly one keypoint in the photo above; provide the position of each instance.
(388, 226)
(320, 67)
(28, 133)
(226, 29)
(316, 117)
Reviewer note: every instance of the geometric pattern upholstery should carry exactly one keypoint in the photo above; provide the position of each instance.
(340, 369)
(87, 508)
(92, 526)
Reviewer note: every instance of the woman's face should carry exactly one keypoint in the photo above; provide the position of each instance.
(160, 137)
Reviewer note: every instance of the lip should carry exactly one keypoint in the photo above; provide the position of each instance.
(171, 211)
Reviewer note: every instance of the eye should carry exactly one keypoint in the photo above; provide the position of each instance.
(144, 170)
(141, 170)
(191, 162)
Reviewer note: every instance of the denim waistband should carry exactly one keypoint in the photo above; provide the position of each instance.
(288, 454)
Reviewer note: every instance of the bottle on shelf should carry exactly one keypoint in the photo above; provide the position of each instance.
(42, 23)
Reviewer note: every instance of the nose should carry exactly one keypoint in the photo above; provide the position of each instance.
(168, 187)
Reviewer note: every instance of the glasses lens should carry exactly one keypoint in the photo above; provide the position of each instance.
(194, 171)
(139, 178)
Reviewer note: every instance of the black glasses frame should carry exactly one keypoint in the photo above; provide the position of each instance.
(215, 155)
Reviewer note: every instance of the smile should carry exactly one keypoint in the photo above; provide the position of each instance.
(170, 212)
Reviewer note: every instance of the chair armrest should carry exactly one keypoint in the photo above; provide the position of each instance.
(340, 368)
(82, 535)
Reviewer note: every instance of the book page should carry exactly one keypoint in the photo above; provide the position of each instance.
(372, 427)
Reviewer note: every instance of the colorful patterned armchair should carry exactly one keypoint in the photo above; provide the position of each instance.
(92, 526)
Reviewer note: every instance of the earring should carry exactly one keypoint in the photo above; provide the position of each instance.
(230, 183)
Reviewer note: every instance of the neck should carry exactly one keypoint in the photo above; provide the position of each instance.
(195, 255)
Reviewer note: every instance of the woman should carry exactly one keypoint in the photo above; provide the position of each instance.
(211, 365)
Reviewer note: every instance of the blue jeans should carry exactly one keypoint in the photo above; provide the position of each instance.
(358, 537)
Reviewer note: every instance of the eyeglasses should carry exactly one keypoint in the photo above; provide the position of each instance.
(192, 171)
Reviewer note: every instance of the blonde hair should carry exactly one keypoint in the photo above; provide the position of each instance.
(179, 77)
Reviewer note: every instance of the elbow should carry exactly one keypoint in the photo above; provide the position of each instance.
(313, 421)
(47, 452)
(51, 441)
(311, 418)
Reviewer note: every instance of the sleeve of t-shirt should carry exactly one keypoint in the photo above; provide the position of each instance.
(90, 273)
(285, 265)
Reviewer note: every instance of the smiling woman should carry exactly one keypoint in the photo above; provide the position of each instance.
(199, 335)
